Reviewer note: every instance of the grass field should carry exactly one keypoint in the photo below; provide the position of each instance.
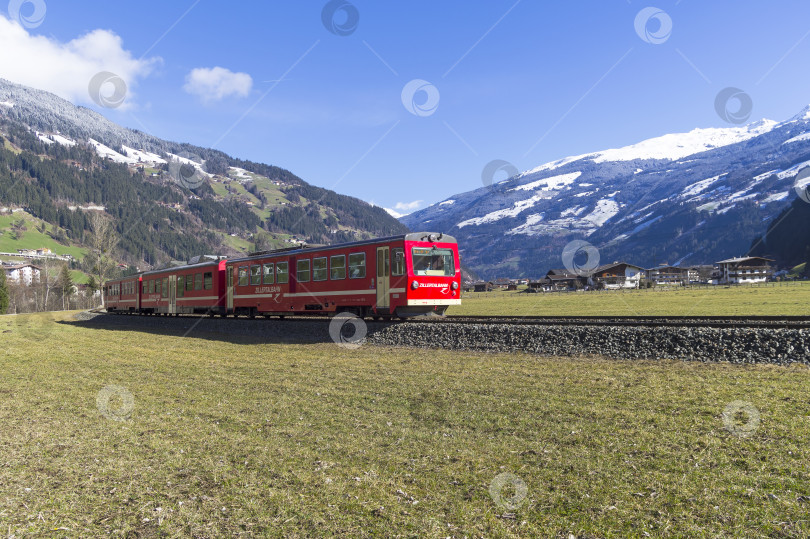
(229, 436)
(32, 238)
(791, 298)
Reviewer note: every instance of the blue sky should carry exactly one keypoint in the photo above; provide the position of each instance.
(527, 82)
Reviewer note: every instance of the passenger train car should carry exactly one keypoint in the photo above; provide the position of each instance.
(406, 275)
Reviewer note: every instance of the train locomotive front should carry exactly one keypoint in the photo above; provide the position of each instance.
(433, 275)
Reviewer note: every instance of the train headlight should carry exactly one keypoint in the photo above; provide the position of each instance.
(432, 238)
(454, 286)
(415, 285)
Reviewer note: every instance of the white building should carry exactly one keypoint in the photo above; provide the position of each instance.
(22, 273)
(617, 275)
(743, 270)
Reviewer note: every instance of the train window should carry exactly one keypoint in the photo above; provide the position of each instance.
(208, 280)
(255, 274)
(165, 293)
(188, 282)
(433, 261)
(157, 286)
(181, 286)
(380, 265)
(338, 264)
(145, 287)
(282, 274)
(397, 261)
(357, 265)
(198, 281)
(151, 286)
(302, 270)
(243, 276)
(268, 273)
(319, 269)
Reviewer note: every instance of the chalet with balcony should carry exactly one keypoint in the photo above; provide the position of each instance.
(616, 276)
(25, 274)
(743, 270)
(673, 275)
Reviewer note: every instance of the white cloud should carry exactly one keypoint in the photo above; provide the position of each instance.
(393, 213)
(66, 69)
(216, 83)
(407, 206)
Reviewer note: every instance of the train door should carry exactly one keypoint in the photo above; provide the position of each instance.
(229, 286)
(383, 277)
(172, 294)
(138, 291)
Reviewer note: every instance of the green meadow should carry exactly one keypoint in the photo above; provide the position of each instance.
(128, 433)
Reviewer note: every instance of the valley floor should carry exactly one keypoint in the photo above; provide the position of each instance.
(772, 299)
(130, 433)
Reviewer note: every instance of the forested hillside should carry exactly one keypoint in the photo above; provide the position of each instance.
(61, 164)
(788, 236)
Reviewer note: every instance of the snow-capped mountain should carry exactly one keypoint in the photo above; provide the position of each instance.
(693, 198)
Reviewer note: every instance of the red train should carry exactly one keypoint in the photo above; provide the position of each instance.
(407, 275)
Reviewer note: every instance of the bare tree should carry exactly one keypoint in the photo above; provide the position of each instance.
(103, 242)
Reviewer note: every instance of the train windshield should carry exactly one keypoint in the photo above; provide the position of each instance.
(433, 261)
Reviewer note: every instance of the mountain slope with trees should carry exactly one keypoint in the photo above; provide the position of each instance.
(53, 165)
(787, 239)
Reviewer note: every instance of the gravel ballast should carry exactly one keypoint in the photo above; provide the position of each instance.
(735, 345)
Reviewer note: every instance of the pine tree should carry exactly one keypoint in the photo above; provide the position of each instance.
(3, 292)
(65, 284)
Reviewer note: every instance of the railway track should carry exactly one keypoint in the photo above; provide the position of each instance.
(770, 322)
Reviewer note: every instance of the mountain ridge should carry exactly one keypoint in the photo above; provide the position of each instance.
(169, 200)
(715, 191)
